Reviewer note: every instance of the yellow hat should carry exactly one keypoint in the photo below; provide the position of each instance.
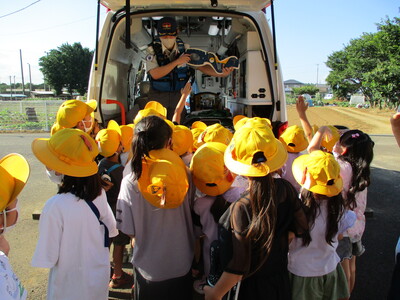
(199, 124)
(318, 172)
(68, 151)
(72, 111)
(256, 121)
(164, 182)
(294, 139)
(255, 152)
(14, 173)
(328, 142)
(182, 139)
(127, 136)
(196, 132)
(56, 127)
(237, 118)
(170, 124)
(216, 133)
(158, 107)
(145, 113)
(210, 175)
(109, 139)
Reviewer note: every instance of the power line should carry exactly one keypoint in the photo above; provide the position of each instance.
(19, 9)
(48, 28)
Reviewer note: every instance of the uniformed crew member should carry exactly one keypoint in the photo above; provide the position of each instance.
(166, 63)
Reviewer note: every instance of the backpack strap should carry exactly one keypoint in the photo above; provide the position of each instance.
(113, 168)
(97, 214)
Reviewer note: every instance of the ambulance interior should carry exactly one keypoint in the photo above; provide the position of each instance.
(248, 90)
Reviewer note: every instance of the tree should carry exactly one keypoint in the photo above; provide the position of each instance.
(369, 64)
(67, 66)
(306, 89)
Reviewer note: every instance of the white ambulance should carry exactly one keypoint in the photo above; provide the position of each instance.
(119, 80)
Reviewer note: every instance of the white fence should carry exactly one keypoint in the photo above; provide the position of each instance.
(28, 115)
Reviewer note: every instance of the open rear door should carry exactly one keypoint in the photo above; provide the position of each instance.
(238, 5)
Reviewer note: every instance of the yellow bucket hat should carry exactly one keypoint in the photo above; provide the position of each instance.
(215, 133)
(294, 139)
(14, 173)
(318, 172)
(127, 136)
(164, 182)
(109, 139)
(210, 175)
(145, 113)
(69, 151)
(329, 142)
(182, 139)
(254, 152)
(196, 132)
(158, 107)
(72, 111)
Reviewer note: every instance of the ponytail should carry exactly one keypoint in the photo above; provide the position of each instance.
(151, 133)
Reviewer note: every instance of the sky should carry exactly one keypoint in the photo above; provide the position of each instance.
(307, 32)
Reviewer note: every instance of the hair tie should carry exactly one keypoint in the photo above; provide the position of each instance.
(355, 135)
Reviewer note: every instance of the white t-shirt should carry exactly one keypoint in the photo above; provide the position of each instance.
(318, 258)
(10, 286)
(164, 238)
(71, 244)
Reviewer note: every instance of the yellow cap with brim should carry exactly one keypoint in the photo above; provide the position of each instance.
(254, 152)
(216, 133)
(294, 139)
(158, 107)
(318, 172)
(328, 142)
(199, 124)
(73, 111)
(256, 121)
(164, 182)
(69, 151)
(182, 139)
(145, 113)
(210, 175)
(109, 139)
(14, 173)
(196, 132)
(127, 136)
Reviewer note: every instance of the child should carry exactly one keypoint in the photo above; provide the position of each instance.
(260, 220)
(75, 114)
(315, 269)
(75, 225)
(14, 173)
(185, 92)
(354, 153)
(182, 140)
(214, 180)
(154, 208)
(72, 114)
(126, 141)
(110, 170)
(295, 141)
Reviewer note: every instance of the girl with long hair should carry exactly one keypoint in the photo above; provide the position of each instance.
(354, 153)
(154, 208)
(261, 219)
(315, 269)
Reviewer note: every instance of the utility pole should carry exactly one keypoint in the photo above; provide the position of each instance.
(317, 73)
(11, 89)
(22, 73)
(30, 81)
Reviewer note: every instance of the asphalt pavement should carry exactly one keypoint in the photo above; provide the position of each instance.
(374, 267)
